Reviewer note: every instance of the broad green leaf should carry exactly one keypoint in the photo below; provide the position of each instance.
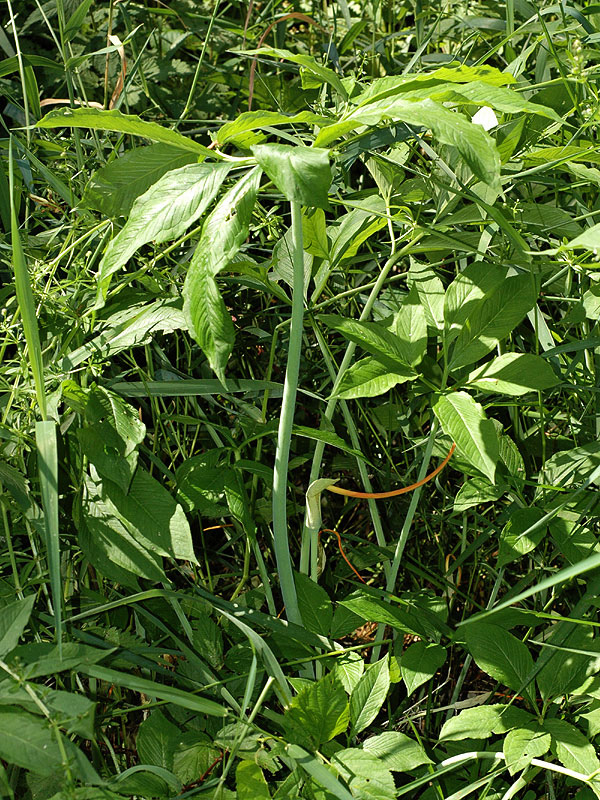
(156, 740)
(100, 120)
(482, 722)
(370, 378)
(419, 662)
(571, 747)
(465, 292)
(239, 131)
(321, 774)
(523, 744)
(314, 604)
(106, 406)
(397, 751)
(28, 741)
(115, 187)
(152, 516)
(500, 654)
(475, 145)
(493, 318)
(366, 775)
(318, 713)
(566, 670)
(13, 620)
(163, 212)
(464, 421)
(314, 233)
(514, 374)
(375, 338)
(224, 232)
(283, 262)
(301, 173)
(349, 669)
(131, 327)
(456, 73)
(588, 240)
(591, 302)
(355, 227)
(430, 291)
(415, 614)
(478, 490)
(194, 754)
(572, 466)
(410, 326)
(514, 539)
(369, 695)
(306, 62)
(250, 782)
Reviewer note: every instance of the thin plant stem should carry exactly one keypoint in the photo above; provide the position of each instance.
(284, 437)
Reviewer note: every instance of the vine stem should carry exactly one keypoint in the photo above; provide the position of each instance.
(286, 421)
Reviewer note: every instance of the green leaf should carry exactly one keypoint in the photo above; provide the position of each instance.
(473, 143)
(365, 774)
(397, 751)
(194, 754)
(369, 695)
(349, 668)
(419, 662)
(572, 466)
(515, 541)
(13, 621)
(224, 232)
(301, 173)
(430, 292)
(566, 671)
(28, 742)
(477, 490)
(314, 605)
(100, 120)
(588, 240)
(314, 233)
(482, 722)
(514, 374)
(192, 702)
(500, 654)
(321, 774)
(164, 212)
(410, 326)
(306, 62)
(328, 437)
(113, 188)
(571, 747)
(465, 293)
(493, 318)
(413, 616)
(156, 740)
(521, 745)
(318, 713)
(591, 302)
(464, 421)
(250, 782)
(283, 262)
(369, 378)
(375, 338)
(239, 130)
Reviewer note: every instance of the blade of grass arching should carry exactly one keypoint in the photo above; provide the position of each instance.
(45, 437)
(25, 296)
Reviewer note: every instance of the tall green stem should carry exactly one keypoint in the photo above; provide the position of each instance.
(284, 437)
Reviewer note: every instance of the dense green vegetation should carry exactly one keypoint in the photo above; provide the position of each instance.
(251, 252)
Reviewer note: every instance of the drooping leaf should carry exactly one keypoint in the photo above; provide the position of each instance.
(567, 669)
(481, 722)
(478, 490)
(571, 747)
(410, 326)
(375, 338)
(224, 232)
(29, 742)
(114, 120)
(165, 211)
(572, 466)
(514, 374)
(500, 654)
(523, 744)
(465, 292)
(115, 187)
(13, 620)
(308, 63)
(156, 740)
(365, 774)
(475, 436)
(514, 539)
(240, 130)
(430, 292)
(250, 782)
(302, 173)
